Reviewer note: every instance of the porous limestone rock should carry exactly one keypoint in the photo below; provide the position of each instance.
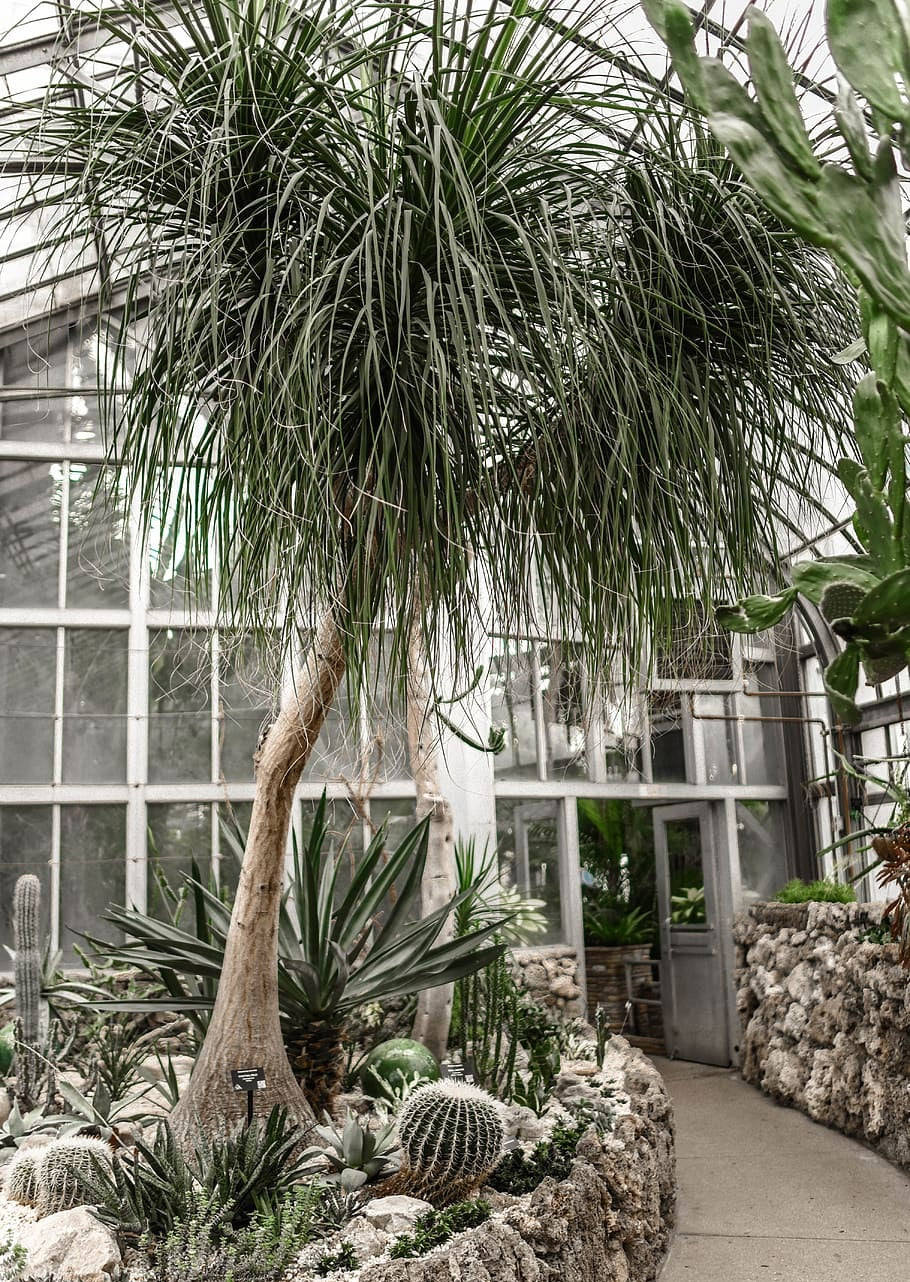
(549, 974)
(826, 1018)
(71, 1245)
(396, 1214)
(609, 1221)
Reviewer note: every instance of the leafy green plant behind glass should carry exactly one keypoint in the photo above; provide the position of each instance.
(616, 846)
(337, 947)
(856, 212)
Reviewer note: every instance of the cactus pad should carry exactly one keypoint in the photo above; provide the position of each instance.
(841, 601)
(65, 1168)
(452, 1135)
(22, 1177)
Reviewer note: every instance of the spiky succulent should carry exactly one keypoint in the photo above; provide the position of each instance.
(65, 1171)
(354, 1153)
(22, 1177)
(451, 1135)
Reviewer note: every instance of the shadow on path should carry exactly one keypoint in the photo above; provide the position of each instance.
(766, 1195)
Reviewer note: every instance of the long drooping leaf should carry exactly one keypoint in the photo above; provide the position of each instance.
(407, 314)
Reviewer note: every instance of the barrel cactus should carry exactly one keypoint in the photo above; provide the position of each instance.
(451, 1134)
(65, 1171)
(21, 1183)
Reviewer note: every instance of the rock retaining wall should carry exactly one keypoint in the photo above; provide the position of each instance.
(609, 1221)
(550, 975)
(826, 1018)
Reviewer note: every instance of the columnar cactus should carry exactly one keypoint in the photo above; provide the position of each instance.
(26, 910)
(451, 1134)
(65, 1169)
(21, 1183)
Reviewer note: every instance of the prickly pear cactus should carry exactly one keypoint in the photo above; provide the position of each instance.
(26, 911)
(451, 1134)
(841, 601)
(22, 1177)
(64, 1172)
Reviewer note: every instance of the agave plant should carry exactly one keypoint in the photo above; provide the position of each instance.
(337, 948)
(354, 1153)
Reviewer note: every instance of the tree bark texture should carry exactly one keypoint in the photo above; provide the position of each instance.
(434, 1005)
(245, 1029)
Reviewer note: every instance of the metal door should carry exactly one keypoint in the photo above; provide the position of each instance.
(696, 960)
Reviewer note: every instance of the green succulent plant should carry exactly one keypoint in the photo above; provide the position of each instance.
(355, 1154)
(856, 213)
(21, 1183)
(65, 1171)
(451, 1137)
(337, 948)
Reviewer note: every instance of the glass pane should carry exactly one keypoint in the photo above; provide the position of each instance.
(42, 360)
(168, 547)
(622, 739)
(668, 748)
(388, 736)
(529, 839)
(762, 830)
(28, 663)
(618, 872)
(179, 834)
(92, 871)
(98, 559)
(512, 710)
(687, 875)
(565, 724)
(30, 504)
(94, 705)
(25, 846)
(763, 740)
(246, 709)
(718, 728)
(180, 727)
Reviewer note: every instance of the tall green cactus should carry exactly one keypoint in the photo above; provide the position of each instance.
(27, 975)
(857, 214)
(451, 1134)
(26, 912)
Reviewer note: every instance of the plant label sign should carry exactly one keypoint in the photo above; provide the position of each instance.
(248, 1079)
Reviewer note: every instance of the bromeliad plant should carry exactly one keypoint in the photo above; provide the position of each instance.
(856, 212)
(337, 948)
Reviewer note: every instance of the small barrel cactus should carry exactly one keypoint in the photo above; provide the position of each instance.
(22, 1177)
(451, 1134)
(65, 1171)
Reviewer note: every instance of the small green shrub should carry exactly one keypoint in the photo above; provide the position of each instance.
(204, 1248)
(13, 1258)
(821, 891)
(334, 1261)
(520, 1173)
(354, 1153)
(433, 1228)
(880, 934)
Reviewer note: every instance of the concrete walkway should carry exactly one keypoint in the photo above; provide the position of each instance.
(767, 1194)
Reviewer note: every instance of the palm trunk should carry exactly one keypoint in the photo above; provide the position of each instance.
(434, 1005)
(245, 1030)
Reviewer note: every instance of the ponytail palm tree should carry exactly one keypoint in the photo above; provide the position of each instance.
(414, 320)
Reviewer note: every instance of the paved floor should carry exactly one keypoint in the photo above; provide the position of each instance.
(766, 1194)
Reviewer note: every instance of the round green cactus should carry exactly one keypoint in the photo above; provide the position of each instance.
(391, 1065)
(64, 1171)
(22, 1177)
(451, 1134)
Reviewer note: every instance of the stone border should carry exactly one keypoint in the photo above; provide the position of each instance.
(826, 1018)
(610, 1221)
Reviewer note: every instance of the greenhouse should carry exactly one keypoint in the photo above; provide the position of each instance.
(454, 636)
